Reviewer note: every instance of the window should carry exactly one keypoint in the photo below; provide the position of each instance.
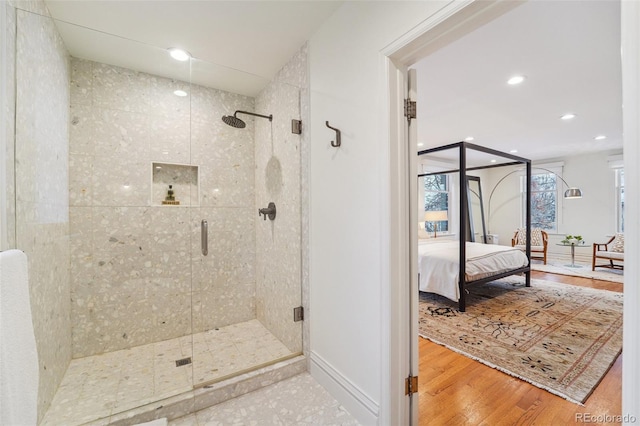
(544, 201)
(436, 198)
(620, 199)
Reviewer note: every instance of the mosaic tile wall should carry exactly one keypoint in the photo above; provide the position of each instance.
(42, 206)
(132, 259)
(8, 39)
(278, 174)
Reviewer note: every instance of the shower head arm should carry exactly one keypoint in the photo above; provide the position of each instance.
(269, 117)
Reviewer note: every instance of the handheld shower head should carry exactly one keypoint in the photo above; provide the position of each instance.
(234, 121)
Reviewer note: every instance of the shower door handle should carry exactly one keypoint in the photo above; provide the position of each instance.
(204, 237)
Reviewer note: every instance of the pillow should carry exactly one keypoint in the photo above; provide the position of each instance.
(617, 244)
(422, 234)
(536, 237)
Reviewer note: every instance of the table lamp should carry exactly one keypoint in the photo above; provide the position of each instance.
(435, 216)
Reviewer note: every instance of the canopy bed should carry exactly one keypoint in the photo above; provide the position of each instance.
(441, 271)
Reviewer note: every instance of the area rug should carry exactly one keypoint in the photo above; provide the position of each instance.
(584, 271)
(558, 337)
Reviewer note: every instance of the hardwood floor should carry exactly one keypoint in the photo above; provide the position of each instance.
(456, 390)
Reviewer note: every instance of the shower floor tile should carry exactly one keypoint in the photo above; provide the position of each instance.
(99, 386)
(299, 400)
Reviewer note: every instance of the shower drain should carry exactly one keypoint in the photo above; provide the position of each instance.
(183, 361)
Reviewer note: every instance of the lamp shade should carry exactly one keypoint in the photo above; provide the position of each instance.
(435, 215)
(573, 193)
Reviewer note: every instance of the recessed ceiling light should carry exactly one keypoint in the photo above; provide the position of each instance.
(179, 54)
(513, 151)
(180, 93)
(568, 116)
(600, 137)
(493, 161)
(516, 79)
(420, 144)
(468, 138)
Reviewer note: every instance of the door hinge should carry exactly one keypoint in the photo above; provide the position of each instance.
(298, 314)
(410, 109)
(296, 127)
(411, 385)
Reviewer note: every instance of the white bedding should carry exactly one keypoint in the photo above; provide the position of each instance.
(438, 264)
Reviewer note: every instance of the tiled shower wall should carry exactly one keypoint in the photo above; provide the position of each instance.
(132, 259)
(41, 185)
(278, 174)
(8, 40)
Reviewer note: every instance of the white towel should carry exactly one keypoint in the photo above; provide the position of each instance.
(18, 353)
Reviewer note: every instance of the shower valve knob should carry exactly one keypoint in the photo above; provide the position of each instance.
(269, 211)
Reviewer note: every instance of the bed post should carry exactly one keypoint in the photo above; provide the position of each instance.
(527, 275)
(462, 239)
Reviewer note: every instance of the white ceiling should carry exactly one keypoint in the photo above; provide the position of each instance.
(570, 53)
(239, 45)
(568, 50)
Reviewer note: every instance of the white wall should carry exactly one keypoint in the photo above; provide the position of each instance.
(349, 189)
(593, 216)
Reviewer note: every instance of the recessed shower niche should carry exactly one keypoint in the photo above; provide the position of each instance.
(174, 185)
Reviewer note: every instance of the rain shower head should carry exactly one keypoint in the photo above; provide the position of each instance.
(234, 121)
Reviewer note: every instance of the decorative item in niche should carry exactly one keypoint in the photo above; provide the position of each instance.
(170, 199)
(174, 185)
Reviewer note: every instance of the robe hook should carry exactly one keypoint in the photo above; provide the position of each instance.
(338, 142)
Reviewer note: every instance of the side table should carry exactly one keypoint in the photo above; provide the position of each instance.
(573, 252)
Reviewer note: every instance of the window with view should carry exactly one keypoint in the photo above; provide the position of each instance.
(544, 201)
(436, 198)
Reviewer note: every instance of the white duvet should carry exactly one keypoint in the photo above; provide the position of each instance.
(438, 264)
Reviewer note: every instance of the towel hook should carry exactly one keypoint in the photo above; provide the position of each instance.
(338, 142)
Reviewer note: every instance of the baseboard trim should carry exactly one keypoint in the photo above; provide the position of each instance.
(350, 396)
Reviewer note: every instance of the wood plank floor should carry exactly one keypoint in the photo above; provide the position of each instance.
(456, 390)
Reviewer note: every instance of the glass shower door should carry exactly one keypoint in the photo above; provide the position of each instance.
(237, 312)
(128, 145)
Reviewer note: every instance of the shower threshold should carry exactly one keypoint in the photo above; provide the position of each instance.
(143, 382)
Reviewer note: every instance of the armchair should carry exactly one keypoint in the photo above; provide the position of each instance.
(612, 250)
(539, 242)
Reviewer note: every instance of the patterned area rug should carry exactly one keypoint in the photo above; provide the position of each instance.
(558, 337)
(585, 271)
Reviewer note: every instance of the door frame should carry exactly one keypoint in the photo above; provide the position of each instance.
(448, 24)
(454, 20)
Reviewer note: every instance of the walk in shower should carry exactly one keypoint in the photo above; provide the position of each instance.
(153, 278)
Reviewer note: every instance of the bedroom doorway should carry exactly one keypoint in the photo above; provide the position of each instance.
(456, 26)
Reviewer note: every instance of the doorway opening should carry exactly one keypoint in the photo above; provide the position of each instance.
(438, 41)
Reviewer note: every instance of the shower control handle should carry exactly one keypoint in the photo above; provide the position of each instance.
(269, 211)
(204, 237)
